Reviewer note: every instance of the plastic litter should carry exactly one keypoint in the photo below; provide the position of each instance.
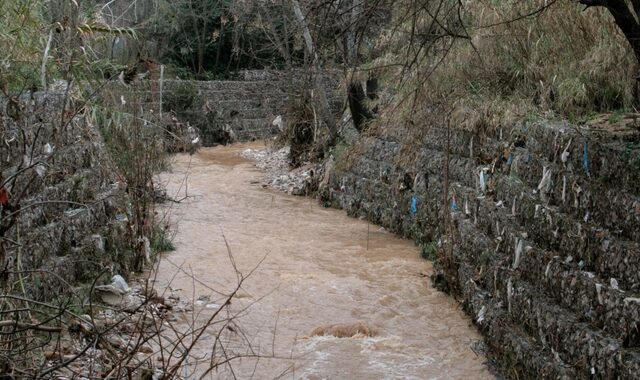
(477, 210)
(73, 212)
(481, 314)
(628, 300)
(277, 122)
(545, 184)
(614, 283)
(548, 269)
(454, 204)
(599, 292)
(27, 160)
(509, 293)
(41, 170)
(518, 253)
(483, 183)
(577, 191)
(509, 164)
(565, 154)
(585, 160)
(413, 210)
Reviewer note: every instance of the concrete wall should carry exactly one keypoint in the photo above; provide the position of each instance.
(548, 269)
(240, 109)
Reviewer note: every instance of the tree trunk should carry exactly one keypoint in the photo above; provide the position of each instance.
(625, 17)
(359, 112)
(352, 41)
(317, 74)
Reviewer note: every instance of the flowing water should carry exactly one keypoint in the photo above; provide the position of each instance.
(304, 267)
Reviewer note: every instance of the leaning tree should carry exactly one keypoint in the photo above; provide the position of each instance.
(626, 14)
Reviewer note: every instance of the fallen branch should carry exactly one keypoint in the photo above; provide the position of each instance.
(30, 326)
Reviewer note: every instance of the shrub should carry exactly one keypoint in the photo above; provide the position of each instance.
(181, 98)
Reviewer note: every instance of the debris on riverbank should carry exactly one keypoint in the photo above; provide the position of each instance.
(122, 336)
(278, 174)
(349, 330)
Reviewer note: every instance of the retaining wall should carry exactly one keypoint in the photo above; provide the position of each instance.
(240, 109)
(544, 249)
(63, 215)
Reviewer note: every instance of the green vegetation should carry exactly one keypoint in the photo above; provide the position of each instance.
(631, 154)
(429, 251)
(161, 239)
(138, 151)
(21, 41)
(181, 98)
(210, 38)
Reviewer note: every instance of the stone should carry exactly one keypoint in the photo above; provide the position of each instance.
(119, 282)
(539, 266)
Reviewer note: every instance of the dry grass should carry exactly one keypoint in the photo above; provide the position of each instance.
(566, 59)
(563, 62)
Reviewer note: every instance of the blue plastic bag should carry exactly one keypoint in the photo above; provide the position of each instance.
(413, 210)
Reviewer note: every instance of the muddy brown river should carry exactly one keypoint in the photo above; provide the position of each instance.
(303, 268)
